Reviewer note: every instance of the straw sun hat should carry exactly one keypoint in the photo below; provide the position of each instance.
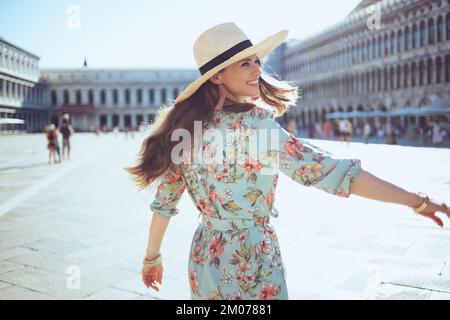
(223, 45)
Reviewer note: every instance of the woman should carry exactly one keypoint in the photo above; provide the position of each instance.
(52, 143)
(235, 252)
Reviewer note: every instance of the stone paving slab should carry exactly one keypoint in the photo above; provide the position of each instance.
(89, 215)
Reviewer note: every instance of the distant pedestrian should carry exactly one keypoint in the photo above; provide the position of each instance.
(52, 144)
(66, 131)
(367, 131)
(345, 131)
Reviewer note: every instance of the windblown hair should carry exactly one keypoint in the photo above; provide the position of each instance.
(154, 157)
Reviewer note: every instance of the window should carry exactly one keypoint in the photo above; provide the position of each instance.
(139, 96)
(423, 34)
(429, 70)
(78, 96)
(421, 72)
(66, 96)
(416, 37)
(127, 96)
(447, 23)
(407, 38)
(440, 29)
(175, 93)
(447, 68)
(391, 78)
(54, 98)
(405, 75)
(431, 31)
(380, 46)
(399, 75)
(385, 78)
(91, 96)
(413, 74)
(438, 70)
(392, 46)
(379, 80)
(151, 94)
(374, 48)
(115, 97)
(103, 97)
(163, 95)
(399, 41)
(1, 87)
(386, 45)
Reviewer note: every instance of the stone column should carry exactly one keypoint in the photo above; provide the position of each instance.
(121, 121)
(109, 120)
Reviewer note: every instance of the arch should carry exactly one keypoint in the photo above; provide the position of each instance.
(438, 64)
(421, 72)
(413, 74)
(399, 40)
(429, 71)
(423, 34)
(440, 29)
(431, 31)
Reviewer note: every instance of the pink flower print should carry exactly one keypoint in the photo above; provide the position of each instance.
(269, 199)
(212, 196)
(292, 145)
(205, 207)
(264, 246)
(268, 292)
(244, 266)
(238, 296)
(216, 247)
(252, 166)
(193, 281)
(236, 124)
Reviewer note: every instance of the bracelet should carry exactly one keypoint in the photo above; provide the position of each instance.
(424, 204)
(152, 263)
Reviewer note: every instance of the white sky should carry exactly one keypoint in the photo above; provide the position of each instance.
(151, 33)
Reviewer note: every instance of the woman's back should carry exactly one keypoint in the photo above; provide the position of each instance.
(236, 175)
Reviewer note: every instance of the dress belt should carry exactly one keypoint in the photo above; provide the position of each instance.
(233, 224)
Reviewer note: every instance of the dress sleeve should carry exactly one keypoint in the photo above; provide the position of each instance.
(309, 165)
(168, 194)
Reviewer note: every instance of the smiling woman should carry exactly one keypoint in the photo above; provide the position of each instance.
(235, 253)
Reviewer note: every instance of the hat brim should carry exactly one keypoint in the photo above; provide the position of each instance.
(261, 49)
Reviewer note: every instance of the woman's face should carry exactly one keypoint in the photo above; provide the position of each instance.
(241, 79)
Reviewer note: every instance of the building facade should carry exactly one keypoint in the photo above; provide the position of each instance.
(109, 98)
(21, 92)
(401, 61)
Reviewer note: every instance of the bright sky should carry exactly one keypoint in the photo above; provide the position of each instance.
(150, 33)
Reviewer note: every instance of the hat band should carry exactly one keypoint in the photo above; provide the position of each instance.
(221, 58)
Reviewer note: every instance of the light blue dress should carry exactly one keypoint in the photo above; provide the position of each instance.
(235, 252)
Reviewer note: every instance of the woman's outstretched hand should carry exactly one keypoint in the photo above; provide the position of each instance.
(152, 275)
(432, 208)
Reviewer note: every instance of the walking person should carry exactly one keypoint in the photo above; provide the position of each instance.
(66, 132)
(235, 253)
(366, 131)
(52, 144)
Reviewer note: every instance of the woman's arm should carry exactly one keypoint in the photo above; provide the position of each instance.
(368, 186)
(158, 227)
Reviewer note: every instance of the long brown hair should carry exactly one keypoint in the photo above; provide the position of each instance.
(154, 157)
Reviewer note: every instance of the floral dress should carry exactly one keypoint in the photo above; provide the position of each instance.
(235, 252)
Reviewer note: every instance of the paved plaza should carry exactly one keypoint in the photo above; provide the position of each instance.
(78, 229)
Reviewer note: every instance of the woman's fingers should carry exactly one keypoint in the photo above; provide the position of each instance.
(435, 218)
(151, 277)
